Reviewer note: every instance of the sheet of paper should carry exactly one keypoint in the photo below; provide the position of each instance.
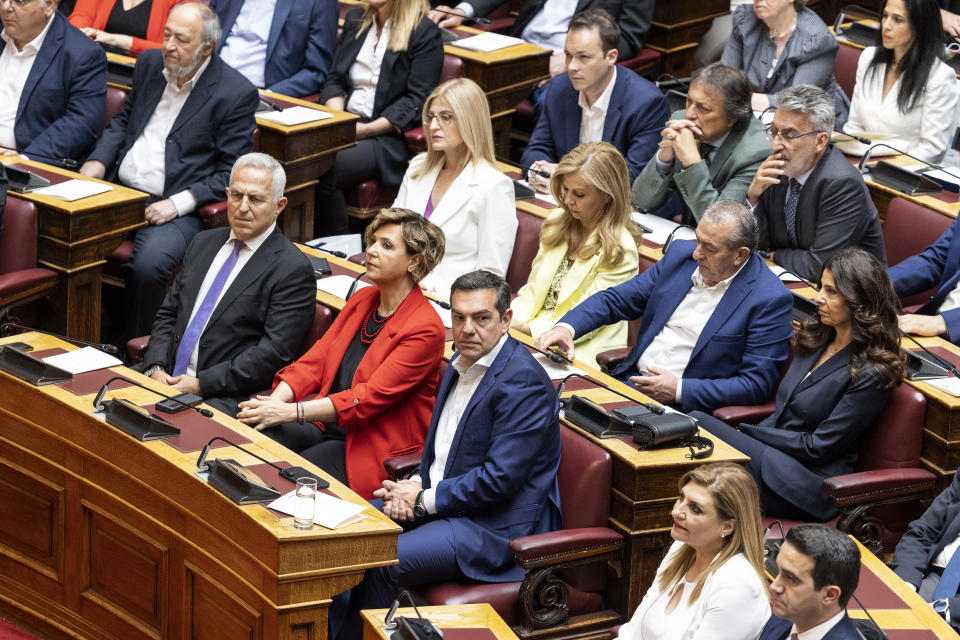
(781, 273)
(948, 174)
(950, 385)
(487, 42)
(75, 189)
(294, 115)
(83, 360)
(350, 244)
(330, 512)
(556, 370)
(660, 228)
(339, 285)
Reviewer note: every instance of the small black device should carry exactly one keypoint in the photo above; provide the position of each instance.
(320, 266)
(415, 629)
(178, 403)
(24, 181)
(293, 473)
(19, 346)
(521, 191)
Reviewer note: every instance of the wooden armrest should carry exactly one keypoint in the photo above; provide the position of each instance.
(402, 466)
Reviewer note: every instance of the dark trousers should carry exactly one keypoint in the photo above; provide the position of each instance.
(352, 166)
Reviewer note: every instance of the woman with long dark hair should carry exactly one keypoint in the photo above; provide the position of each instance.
(903, 88)
(848, 360)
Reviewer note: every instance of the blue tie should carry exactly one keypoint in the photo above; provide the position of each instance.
(790, 211)
(950, 580)
(192, 335)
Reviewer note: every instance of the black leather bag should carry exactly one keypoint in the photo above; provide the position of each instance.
(651, 429)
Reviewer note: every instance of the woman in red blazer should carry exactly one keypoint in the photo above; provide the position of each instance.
(374, 373)
(92, 17)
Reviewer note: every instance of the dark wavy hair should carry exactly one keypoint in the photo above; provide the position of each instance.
(927, 47)
(873, 305)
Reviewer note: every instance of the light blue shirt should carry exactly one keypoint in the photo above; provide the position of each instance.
(548, 29)
(245, 48)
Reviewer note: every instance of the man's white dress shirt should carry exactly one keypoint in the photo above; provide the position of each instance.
(14, 68)
(592, 117)
(819, 631)
(245, 47)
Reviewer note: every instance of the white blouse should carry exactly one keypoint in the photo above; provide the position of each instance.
(925, 130)
(365, 71)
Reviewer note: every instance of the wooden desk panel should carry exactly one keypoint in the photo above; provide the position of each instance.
(676, 30)
(945, 203)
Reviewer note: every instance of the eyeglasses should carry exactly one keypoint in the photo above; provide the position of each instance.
(19, 4)
(773, 133)
(444, 117)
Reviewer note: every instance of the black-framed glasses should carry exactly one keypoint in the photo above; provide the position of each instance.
(444, 118)
(773, 133)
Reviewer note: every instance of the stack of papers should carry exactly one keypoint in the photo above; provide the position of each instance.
(339, 285)
(330, 512)
(487, 42)
(294, 115)
(74, 189)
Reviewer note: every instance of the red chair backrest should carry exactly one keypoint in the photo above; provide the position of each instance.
(584, 476)
(525, 247)
(115, 100)
(845, 67)
(18, 241)
(452, 68)
(894, 440)
(322, 319)
(908, 229)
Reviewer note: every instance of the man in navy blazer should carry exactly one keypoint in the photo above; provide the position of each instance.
(937, 266)
(716, 321)
(53, 85)
(818, 571)
(489, 468)
(928, 545)
(187, 119)
(595, 101)
(285, 47)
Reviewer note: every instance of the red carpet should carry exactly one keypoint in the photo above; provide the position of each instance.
(10, 632)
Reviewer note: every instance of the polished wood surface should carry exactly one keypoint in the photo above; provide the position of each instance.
(74, 239)
(676, 30)
(463, 616)
(103, 536)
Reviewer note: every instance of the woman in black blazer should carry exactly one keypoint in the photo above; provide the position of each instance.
(848, 359)
(388, 60)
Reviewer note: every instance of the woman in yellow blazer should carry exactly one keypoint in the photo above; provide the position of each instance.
(586, 245)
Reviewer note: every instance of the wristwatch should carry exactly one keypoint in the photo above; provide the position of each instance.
(941, 606)
(419, 511)
(152, 370)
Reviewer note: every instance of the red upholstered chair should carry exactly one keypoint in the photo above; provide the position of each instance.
(567, 571)
(908, 229)
(500, 19)
(525, 247)
(115, 100)
(845, 67)
(21, 280)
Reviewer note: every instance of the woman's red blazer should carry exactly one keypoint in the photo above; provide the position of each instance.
(95, 13)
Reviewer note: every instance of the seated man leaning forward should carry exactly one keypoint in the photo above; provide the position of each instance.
(242, 304)
(716, 321)
(489, 468)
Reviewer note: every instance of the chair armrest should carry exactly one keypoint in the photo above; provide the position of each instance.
(213, 214)
(750, 414)
(402, 466)
(359, 258)
(610, 360)
(880, 484)
(137, 347)
(565, 545)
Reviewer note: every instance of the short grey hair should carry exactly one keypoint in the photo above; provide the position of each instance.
(746, 232)
(210, 30)
(811, 100)
(278, 178)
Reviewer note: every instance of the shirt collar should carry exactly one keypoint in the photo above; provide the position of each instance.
(34, 45)
(698, 282)
(192, 82)
(485, 360)
(802, 179)
(254, 243)
(716, 143)
(819, 631)
(603, 101)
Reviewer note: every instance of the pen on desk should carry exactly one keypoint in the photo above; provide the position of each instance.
(539, 172)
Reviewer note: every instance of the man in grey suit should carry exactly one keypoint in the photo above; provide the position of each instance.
(709, 151)
(810, 201)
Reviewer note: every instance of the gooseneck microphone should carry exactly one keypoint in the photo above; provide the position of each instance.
(7, 329)
(287, 473)
(852, 136)
(655, 408)
(798, 277)
(556, 356)
(666, 244)
(866, 157)
(99, 406)
(946, 364)
(463, 18)
(353, 285)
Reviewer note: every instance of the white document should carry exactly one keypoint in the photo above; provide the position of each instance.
(948, 174)
(661, 228)
(83, 360)
(339, 285)
(330, 512)
(294, 115)
(950, 385)
(75, 189)
(556, 370)
(782, 273)
(487, 42)
(349, 244)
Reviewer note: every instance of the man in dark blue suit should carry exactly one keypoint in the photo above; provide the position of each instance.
(285, 47)
(595, 101)
(928, 547)
(53, 85)
(187, 119)
(489, 468)
(937, 266)
(819, 568)
(716, 321)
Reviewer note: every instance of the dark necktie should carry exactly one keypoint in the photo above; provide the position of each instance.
(192, 335)
(790, 212)
(705, 149)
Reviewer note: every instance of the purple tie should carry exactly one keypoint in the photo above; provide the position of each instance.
(207, 305)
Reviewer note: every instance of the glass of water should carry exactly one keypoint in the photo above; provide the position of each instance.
(304, 503)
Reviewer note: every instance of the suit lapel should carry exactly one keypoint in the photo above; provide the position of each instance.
(729, 302)
(197, 272)
(386, 69)
(446, 384)
(673, 294)
(52, 43)
(199, 94)
(280, 13)
(839, 360)
(229, 18)
(611, 121)
(572, 124)
(720, 155)
(265, 256)
(458, 193)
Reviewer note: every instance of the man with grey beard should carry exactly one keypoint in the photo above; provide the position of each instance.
(188, 117)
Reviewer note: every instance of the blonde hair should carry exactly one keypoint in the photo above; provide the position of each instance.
(419, 235)
(472, 114)
(735, 497)
(405, 15)
(601, 166)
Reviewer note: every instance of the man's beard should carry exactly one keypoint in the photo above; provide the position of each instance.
(179, 71)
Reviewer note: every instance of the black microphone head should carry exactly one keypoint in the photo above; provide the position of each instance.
(108, 348)
(204, 412)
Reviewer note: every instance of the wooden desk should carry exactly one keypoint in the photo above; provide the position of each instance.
(120, 71)
(103, 536)
(945, 203)
(339, 266)
(452, 620)
(676, 30)
(74, 239)
(306, 151)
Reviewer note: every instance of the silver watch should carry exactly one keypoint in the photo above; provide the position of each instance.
(152, 370)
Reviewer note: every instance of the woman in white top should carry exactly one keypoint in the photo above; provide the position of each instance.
(457, 186)
(710, 586)
(903, 88)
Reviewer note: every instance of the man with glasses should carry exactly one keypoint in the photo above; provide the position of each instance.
(53, 84)
(809, 199)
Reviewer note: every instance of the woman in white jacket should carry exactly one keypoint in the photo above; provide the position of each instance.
(457, 186)
(710, 585)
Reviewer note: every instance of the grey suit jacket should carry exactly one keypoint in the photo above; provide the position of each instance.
(726, 177)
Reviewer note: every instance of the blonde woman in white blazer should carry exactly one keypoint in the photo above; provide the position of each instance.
(710, 585)
(457, 185)
(587, 245)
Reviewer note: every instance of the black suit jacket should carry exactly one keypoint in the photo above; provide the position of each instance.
(406, 79)
(814, 433)
(835, 211)
(633, 16)
(259, 325)
(927, 536)
(213, 129)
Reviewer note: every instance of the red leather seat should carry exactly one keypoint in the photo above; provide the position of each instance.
(525, 246)
(646, 60)
(908, 229)
(845, 67)
(115, 100)
(21, 280)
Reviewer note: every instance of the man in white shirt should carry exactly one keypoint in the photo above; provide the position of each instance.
(187, 119)
(716, 321)
(242, 304)
(819, 568)
(489, 467)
